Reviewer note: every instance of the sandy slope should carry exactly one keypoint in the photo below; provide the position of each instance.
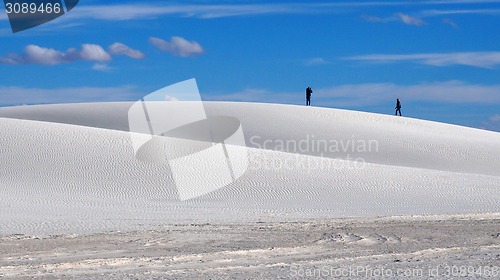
(71, 169)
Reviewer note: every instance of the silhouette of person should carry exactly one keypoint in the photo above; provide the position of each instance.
(398, 107)
(309, 91)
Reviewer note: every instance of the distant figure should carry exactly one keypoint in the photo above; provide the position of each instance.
(309, 91)
(398, 107)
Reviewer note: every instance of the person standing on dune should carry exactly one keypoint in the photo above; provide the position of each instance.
(398, 107)
(309, 91)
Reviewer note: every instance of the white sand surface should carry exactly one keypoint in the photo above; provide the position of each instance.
(71, 169)
(437, 247)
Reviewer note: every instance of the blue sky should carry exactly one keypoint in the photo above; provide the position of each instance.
(441, 58)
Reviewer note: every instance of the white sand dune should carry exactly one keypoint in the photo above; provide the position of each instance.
(72, 169)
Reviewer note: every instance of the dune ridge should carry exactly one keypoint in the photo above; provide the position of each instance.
(71, 168)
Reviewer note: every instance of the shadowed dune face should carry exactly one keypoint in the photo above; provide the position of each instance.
(72, 168)
(214, 130)
(188, 139)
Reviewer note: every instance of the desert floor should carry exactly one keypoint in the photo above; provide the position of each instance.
(416, 247)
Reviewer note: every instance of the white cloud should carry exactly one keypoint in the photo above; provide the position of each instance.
(177, 46)
(474, 59)
(45, 56)
(92, 52)
(410, 20)
(34, 54)
(122, 49)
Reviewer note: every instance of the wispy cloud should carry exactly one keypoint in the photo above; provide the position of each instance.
(145, 11)
(257, 95)
(493, 123)
(177, 46)
(358, 95)
(495, 118)
(25, 95)
(451, 23)
(34, 54)
(315, 61)
(410, 20)
(428, 9)
(375, 19)
(456, 92)
(243, 8)
(429, 13)
(474, 59)
(101, 67)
